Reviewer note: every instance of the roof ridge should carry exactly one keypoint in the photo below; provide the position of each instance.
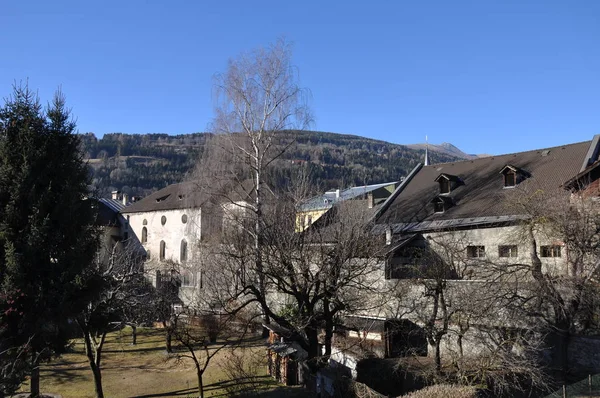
(509, 154)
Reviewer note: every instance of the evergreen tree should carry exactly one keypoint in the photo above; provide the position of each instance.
(47, 238)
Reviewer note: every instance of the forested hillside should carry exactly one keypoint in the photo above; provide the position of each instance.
(141, 163)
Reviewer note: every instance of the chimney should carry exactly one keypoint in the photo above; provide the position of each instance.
(124, 199)
(337, 193)
(388, 235)
(115, 195)
(370, 200)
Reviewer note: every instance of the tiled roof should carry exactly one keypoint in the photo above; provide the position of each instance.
(184, 195)
(193, 194)
(481, 192)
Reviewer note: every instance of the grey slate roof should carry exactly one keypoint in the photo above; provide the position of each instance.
(176, 196)
(108, 212)
(481, 195)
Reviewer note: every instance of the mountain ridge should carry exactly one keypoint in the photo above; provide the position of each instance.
(139, 164)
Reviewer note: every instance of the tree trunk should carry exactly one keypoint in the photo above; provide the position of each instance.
(35, 376)
(93, 354)
(313, 345)
(97, 380)
(133, 335)
(200, 385)
(438, 356)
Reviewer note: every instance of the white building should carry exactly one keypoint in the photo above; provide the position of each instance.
(170, 224)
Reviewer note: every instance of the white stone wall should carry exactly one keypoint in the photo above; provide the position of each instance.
(172, 232)
(492, 238)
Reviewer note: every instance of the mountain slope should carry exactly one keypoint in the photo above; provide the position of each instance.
(141, 163)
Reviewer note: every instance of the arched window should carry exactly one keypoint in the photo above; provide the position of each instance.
(161, 254)
(144, 235)
(183, 251)
(187, 278)
(163, 220)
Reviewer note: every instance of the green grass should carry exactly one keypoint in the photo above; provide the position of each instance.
(146, 370)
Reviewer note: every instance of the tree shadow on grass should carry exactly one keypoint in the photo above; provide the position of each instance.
(183, 392)
(62, 374)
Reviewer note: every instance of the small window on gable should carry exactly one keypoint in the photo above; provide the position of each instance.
(448, 182)
(162, 198)
(444, 185)
(144, 235)
(510, 179)
(512, 176)
(551, 251)
(438, 205)
(441, 203)
(475, 251)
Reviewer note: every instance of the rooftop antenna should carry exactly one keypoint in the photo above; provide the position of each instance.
(426, 154)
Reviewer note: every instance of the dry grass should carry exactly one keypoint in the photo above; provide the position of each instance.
(444, 391)
(145, 370)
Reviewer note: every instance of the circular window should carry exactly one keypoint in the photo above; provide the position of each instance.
(184, 218)
(145, 222)
(163, 220)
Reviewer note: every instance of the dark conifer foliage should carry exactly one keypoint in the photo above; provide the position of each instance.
(47, 238)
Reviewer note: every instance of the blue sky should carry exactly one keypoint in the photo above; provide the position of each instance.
(488, 76)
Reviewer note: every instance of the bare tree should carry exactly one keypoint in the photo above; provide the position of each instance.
(563, 238)
(256, 98)
(467, 306)
(122, 292)
(311, 279)
(203, 334)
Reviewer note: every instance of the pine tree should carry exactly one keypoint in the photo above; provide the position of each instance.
(47, 238)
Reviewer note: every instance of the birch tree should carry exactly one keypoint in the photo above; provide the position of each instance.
(256, 98)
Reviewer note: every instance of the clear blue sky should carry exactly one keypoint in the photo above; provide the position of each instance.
(488, 76)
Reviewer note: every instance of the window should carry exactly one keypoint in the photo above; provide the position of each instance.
(510, 179)
(144, 235)
(184, 218)
(187, 278)
(183, 251)
(475, 251)
(438, 206)
(508, 251)
(163, 220)
(162, 198)
(161, 253)
(550, 251)
(308, 220)
(145, 222)
(444, 185)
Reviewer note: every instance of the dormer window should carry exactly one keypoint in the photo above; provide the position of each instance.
(441, 204)
(512, 176)
(448, 182)
(444, 185)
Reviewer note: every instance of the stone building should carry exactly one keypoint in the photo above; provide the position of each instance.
(473, 212)
(169, 224)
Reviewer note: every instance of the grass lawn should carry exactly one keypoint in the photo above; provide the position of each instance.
(145, 370)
